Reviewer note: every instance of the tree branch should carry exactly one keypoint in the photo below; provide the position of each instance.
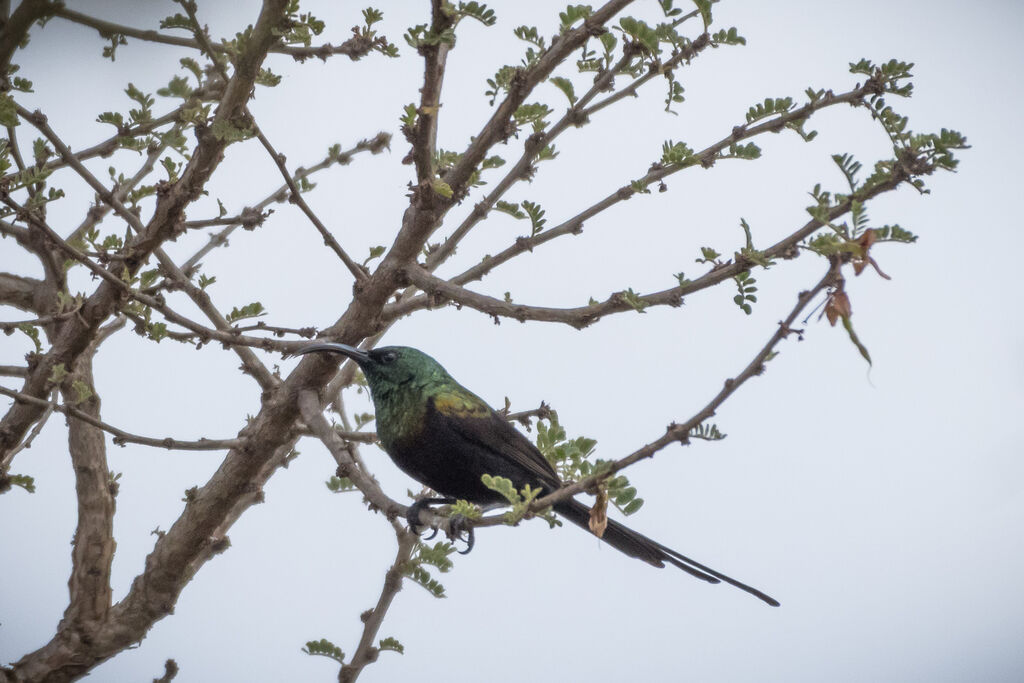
(354, 48)
(19, 291)
(76, 334)
(110, 145)
(574, 225)
(522, 85)
(16, 27)
(366, 652)
(576, 115)
(121, 437)
(250, 217)
(435, 57)
(92, 552)
(681, 432)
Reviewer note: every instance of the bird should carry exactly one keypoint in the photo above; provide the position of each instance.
(446, 437)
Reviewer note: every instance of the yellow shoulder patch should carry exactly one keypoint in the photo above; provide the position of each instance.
(455, 404)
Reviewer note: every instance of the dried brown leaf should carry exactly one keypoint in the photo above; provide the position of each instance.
(599, 514)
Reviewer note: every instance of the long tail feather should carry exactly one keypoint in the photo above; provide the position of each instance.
(635, 544)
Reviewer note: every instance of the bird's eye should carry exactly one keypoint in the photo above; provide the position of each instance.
(388, 357)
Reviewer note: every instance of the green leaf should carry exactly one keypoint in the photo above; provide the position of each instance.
(21, 84)
(375, 252)
(325, 648)
(728, 37)
(536, 214)
(633, 300)
(707, 432)
(57, 374)
(267, 78)
(81, 390)
(23, 480)
(478, 11)
(253, 310)
(770, 106)
(848, 326)
(340, 485)
(571, 15)
(391, 644)
(704, 7)
(530, 35)
(642, 34)
(442, 188)
(676, 153)
(32, 333)
(708, 255)
(178, 87)
(229, 132)
(565, 85)
(511, 208)
(8, 111)
(502, 486)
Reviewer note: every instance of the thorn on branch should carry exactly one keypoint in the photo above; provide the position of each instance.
(787, 330)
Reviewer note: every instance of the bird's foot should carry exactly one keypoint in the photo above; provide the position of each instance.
(458, 525)
(412, 515)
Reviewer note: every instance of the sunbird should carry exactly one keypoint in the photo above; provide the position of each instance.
(444, 436)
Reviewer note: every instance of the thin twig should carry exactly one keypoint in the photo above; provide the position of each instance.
(679, 433)
(366, 652)
(574, 225)
(354, 48)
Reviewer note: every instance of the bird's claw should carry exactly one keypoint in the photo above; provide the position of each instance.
(457, 525)
(412, 515)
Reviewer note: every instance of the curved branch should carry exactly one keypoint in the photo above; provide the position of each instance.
(19, 291)
(354, 48)
(574, 225)
(16, 27)
(681, 432)
(366, 652)
(438, 290)
(122, 437)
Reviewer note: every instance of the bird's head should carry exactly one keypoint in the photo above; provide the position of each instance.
(388, 366)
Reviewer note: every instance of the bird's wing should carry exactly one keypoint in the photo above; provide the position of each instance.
(468, 416)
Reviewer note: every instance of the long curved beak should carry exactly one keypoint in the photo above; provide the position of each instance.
(358, 355)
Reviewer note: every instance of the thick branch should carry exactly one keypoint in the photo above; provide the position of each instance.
(16, 27)
(19, 291)
(93, 544)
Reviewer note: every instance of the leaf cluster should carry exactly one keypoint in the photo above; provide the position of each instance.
(423, 556)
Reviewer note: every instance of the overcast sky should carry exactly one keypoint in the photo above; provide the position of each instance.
(883, 509)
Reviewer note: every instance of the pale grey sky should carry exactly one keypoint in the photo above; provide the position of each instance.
(883, 509)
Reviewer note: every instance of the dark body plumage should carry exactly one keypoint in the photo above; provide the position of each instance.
(443, 435)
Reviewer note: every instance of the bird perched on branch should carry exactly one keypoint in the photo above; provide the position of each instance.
(446, 437)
